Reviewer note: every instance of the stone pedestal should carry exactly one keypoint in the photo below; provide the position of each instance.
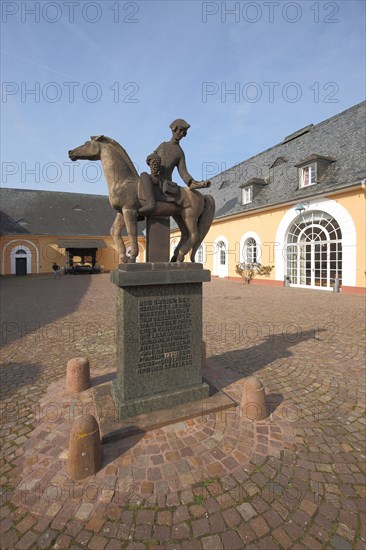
(157, 239)
(159, 336)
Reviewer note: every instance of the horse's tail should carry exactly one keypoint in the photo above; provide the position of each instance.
(204, 222)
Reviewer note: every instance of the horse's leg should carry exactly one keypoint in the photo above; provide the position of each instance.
(183, 236)
(116, 233)
(192, 208)
(204, 223)
(190, 221)
(130, 217)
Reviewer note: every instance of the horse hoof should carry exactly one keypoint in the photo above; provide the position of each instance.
(131, 260)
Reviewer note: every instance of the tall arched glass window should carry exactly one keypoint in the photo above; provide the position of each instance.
(314, 250)
(250, 251)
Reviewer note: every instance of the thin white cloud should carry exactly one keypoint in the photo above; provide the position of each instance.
(37, 64)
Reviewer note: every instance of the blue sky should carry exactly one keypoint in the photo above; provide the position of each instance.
(127, 69)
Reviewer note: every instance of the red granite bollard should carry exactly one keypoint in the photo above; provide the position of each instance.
(77, 375)
(85, 448)
(253, 405)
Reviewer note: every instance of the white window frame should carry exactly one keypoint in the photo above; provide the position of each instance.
(349, 239)
(244, 240)
(247, 195)
(314, 251)
(250, 251)
(308, 175)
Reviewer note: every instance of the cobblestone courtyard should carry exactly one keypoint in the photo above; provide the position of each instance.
(295, 480)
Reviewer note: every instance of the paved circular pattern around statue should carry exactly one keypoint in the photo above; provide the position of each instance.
(294, 480)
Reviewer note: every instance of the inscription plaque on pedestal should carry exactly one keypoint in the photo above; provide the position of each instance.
(164, 330)
(159, 336)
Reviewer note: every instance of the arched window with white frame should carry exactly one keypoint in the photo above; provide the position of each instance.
(250, 248)
(250, 252)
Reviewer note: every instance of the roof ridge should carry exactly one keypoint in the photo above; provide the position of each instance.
(51, 192)
(315, 126)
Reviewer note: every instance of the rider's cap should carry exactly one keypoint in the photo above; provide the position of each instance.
(179, 122)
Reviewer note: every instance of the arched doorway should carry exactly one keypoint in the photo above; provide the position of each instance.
(314, 251)
(173, 245)
(20, 260)
(200, 259)
(221, 257)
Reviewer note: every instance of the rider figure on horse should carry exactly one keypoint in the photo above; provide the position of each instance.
(168, 155)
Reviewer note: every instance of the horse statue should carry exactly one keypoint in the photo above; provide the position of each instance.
(193, 215)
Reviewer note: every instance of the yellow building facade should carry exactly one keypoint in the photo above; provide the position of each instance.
(39, 253)
(299, 207)
(40, 228)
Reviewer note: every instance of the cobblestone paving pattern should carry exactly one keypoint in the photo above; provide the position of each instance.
(295, 480)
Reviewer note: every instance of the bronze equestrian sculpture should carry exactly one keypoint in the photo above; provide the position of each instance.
(192, 211)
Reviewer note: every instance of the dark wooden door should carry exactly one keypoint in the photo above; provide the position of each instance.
(20, 266)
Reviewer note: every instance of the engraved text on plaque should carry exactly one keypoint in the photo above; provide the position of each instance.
(164, 332)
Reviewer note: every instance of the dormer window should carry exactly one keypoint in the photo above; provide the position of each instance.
(250, 189)
(313, 169)
(247, 194)
(308, 175)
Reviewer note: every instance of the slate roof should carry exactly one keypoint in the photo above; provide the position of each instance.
(341, 137)
(33, 212)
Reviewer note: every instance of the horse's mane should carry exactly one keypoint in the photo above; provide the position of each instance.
(122, 152)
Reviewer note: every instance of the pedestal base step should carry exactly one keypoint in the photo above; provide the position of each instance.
(156, 402)
(112, 428)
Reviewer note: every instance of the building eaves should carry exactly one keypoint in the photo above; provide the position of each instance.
(311, 193)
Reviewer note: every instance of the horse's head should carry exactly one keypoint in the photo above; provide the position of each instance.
(89, 151)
